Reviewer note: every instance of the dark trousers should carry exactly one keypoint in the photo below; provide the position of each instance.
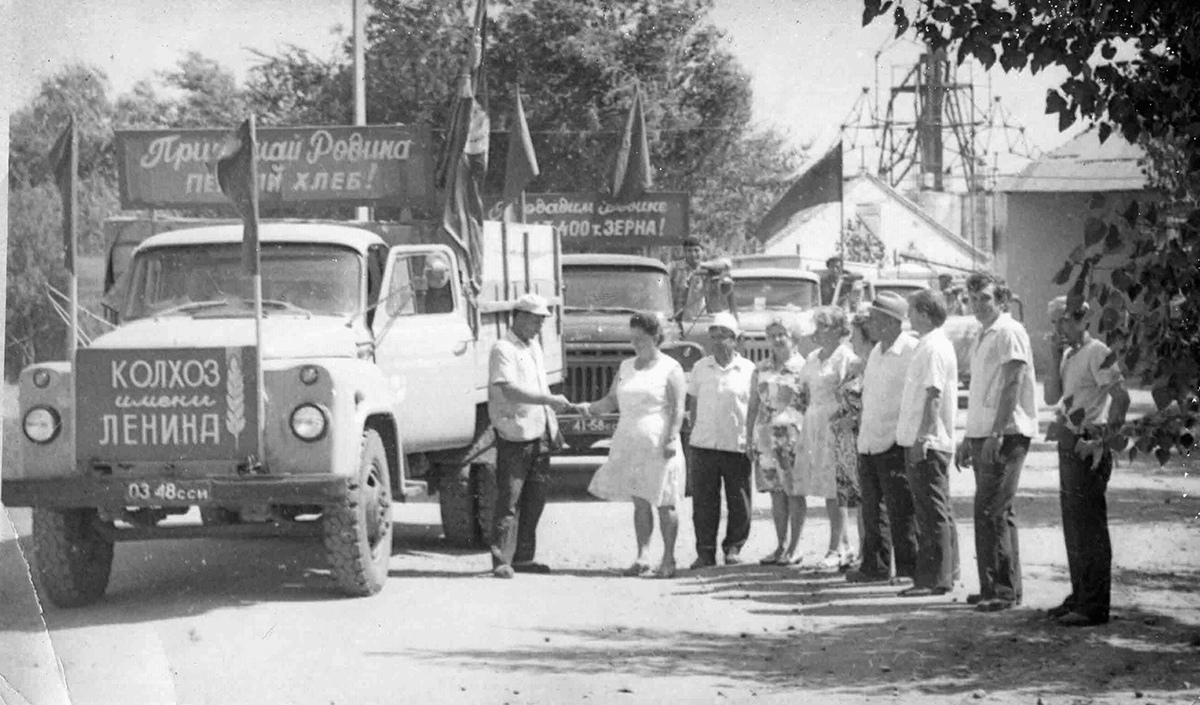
(889, 530)
(997, 550)
(522, 473)
(711, 468)
(937, 535)
(1085, 527)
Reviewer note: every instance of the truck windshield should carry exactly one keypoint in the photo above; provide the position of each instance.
(600, 288)
(323, 280)
(774, 293)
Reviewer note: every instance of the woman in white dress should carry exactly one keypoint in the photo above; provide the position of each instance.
(645, 462)
(821, 449)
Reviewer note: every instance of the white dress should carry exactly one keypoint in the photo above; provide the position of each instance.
(815, 474)
(636, 466)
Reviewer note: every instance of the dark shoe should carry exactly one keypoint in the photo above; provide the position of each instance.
(975, 598)
(1078, 619)
(503, 571)
(531, 567)
(857, 576)
(924, 591)
(994, 605)
(1061, 611)
(733, 558)
(703, 562)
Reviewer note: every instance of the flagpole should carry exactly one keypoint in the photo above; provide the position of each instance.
(260, 396)
(73, 224)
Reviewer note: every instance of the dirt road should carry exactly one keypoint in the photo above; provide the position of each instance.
(258, 622)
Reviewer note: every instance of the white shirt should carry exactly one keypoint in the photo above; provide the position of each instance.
(1005, 340)
(934, 364)
(1085, 382)
(883, 383)
(722, 397)
(520, 364)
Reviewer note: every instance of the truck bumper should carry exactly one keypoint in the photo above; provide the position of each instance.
(63, 492)
(581, 432)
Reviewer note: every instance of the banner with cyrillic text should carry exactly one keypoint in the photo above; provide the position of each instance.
(658, 218)
(375, 165)
(167, 405)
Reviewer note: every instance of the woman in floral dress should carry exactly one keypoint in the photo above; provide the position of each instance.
(821, 456)
(773, 420)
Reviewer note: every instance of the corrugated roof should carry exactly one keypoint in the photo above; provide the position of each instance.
(1083, 164)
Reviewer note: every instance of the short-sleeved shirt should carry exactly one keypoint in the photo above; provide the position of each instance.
(1085, 381)
(520, 364)
(1003, 341)
(883, 382)
(934, 364)
(687, 289)
(722, 398)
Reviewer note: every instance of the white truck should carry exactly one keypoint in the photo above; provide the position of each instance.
(374, 382)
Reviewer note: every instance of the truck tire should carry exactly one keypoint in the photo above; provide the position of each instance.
(358, 532)
(73, 559)
(467, 498)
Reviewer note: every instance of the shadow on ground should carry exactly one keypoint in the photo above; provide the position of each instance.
(880, 648)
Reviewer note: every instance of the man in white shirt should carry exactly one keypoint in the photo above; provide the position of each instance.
(522, 412)
(889, 532)
(926, 432)
(1085, 382)
(717, 401)
(1001, 422)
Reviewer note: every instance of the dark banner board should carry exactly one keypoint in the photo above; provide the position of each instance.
(591, 220)
(375, 165)
(167, 405)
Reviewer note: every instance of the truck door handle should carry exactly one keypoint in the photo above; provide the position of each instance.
(462, 347)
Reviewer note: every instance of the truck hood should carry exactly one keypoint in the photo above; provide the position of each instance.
(284, 337)
(582, 327)
(754, 322)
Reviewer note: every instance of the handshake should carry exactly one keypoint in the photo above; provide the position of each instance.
(561, 404)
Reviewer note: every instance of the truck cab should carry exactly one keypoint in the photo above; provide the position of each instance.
(602, 292)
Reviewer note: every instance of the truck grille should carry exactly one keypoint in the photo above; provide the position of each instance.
(590, 373)
(756, 349)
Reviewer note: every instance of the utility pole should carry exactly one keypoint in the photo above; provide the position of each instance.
(360, 80)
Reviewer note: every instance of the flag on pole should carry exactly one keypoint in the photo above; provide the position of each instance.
(633, 174)
(64, 161)
(237, 175)
(520, 167)
(820, 183)
(463, 163)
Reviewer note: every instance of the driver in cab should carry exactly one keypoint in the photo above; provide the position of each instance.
(438, 296)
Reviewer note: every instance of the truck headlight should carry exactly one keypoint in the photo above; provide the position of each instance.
(308, 422)
(42, 424)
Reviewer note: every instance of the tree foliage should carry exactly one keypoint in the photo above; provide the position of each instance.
(1133, 68)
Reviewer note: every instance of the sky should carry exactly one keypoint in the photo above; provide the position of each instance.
(809, 59)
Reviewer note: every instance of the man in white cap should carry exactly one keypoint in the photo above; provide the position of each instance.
(522, 412)
(889, 542)
(718, 398)
(1082, 386)
(438, 296)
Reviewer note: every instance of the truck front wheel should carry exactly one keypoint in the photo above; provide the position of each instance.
(73, 558)
(358, 532)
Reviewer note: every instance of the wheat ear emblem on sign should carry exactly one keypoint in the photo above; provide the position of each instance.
(235, 395)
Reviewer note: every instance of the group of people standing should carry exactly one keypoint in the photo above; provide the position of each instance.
(865, 421)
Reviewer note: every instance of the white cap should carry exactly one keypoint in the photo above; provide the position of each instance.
(725, 320)
(532, 303)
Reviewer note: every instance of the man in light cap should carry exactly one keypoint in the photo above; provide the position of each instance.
(522, 412)
(889, 547)
(718, 398)
(1081, 385)
(438, 296)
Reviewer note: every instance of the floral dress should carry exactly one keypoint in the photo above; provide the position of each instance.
(845, 423)
(821, 449)
(777, 426)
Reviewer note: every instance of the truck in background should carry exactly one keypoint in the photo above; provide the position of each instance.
(372, 394)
